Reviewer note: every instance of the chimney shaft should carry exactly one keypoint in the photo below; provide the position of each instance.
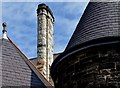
(45, 39)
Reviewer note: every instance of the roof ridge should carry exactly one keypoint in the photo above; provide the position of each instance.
(31, 65)
(33, 58)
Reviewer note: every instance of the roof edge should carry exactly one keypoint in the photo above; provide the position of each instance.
(32, 66)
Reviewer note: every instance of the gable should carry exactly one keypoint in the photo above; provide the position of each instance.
(15, 70)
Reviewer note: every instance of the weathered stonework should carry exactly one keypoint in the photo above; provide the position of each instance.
(45, 39)
(96, 67)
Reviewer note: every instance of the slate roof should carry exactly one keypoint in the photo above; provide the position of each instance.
(99, 20)
(17, 70)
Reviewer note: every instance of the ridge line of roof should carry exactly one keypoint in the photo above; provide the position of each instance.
(29, 63)
(33, 58)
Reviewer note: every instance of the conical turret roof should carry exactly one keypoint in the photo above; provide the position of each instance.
(100, 19)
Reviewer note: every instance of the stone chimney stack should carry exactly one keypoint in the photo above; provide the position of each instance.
(45, 21)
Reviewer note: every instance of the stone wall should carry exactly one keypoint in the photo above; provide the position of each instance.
(93, 68)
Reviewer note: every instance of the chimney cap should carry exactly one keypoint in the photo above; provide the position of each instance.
(44, 6)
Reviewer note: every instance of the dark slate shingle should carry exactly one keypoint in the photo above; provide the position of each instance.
(100, 19)
(16, 69)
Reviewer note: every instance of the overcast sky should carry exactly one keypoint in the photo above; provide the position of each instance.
(21, 19)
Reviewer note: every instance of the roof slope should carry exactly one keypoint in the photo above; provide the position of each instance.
(17, 70)
(100, 19)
